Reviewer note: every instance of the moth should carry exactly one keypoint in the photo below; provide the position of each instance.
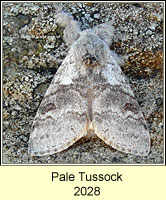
(89, 95)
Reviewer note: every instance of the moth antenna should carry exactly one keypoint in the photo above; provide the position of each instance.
(72, 28)
(105, 32)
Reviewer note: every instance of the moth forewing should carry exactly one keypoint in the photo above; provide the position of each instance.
(61, 117)
(117, 116)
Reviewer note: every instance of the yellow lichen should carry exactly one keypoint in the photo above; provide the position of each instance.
(146, 63)
(148, 59)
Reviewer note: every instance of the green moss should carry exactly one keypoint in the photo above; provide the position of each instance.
(39, 49)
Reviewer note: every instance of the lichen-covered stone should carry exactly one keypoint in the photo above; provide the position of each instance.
(33, 49)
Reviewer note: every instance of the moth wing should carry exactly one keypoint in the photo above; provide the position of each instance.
(117, 116)
(61, 117)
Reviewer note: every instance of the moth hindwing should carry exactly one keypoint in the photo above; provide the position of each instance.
(89, 94)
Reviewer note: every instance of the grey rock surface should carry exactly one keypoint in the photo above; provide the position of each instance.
(33, 49)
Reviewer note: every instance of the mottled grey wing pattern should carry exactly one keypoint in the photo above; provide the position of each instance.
(61, 117)
(117, 116)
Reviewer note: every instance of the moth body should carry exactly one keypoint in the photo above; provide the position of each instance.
(89, 95)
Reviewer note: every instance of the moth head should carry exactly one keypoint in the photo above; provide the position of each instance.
(89, 60)
(90, 50)
(90, 47)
